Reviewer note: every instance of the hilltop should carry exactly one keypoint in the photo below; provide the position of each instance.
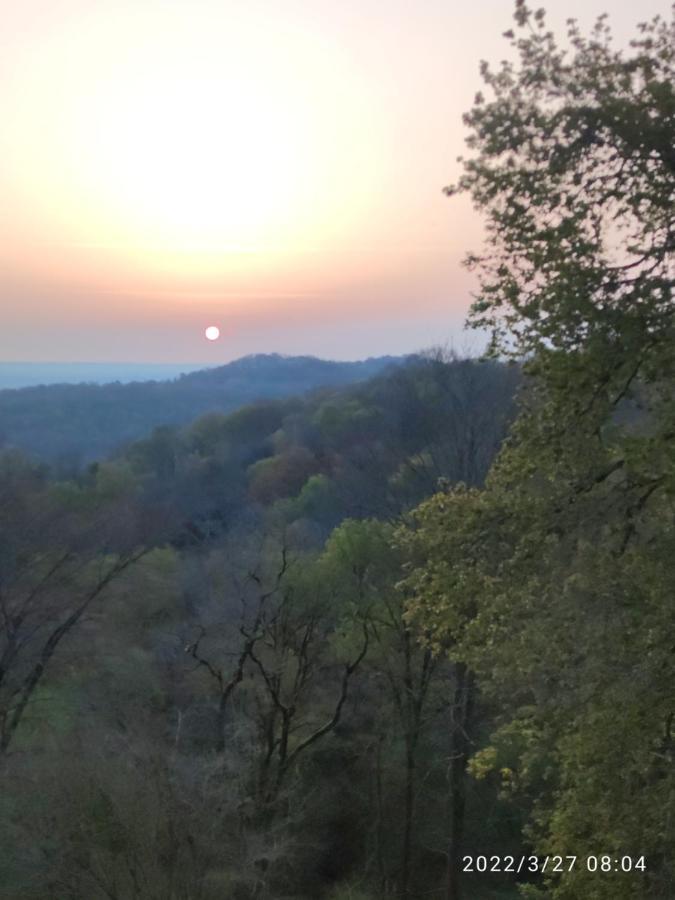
(75, 423)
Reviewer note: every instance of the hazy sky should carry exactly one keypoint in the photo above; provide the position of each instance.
(273, 167)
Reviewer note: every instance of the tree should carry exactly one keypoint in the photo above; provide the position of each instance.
(286, 648)
(281, 476)
(408, 687)
(453, 547)
(570, 556)
(61, 549)
(574, 168)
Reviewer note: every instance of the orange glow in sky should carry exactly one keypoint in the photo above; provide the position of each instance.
(276, 165)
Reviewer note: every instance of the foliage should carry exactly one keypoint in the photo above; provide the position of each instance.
(323, 646)
(573, 167)
(553, 582)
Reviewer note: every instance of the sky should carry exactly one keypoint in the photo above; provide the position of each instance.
(271, 167)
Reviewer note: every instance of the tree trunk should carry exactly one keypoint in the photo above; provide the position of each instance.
(459, 755)
(379, 829)
(408, 816)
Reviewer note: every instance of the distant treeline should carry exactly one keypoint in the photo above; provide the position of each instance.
(15, 375)
(75, 423)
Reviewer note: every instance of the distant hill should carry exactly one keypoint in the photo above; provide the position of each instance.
(367, 449)
(75, 423)
(31, 374)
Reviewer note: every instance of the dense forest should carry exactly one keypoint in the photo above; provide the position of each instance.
(411, 637)
(205, 632)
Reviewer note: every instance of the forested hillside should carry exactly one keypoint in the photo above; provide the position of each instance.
(75, 423)
(208, 686)
(407, 638)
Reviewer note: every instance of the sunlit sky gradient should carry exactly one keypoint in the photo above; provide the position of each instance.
(273, 168)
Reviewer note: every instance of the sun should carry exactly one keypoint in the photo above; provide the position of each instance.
(205, 161)
(212, 333)
(193, 152)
